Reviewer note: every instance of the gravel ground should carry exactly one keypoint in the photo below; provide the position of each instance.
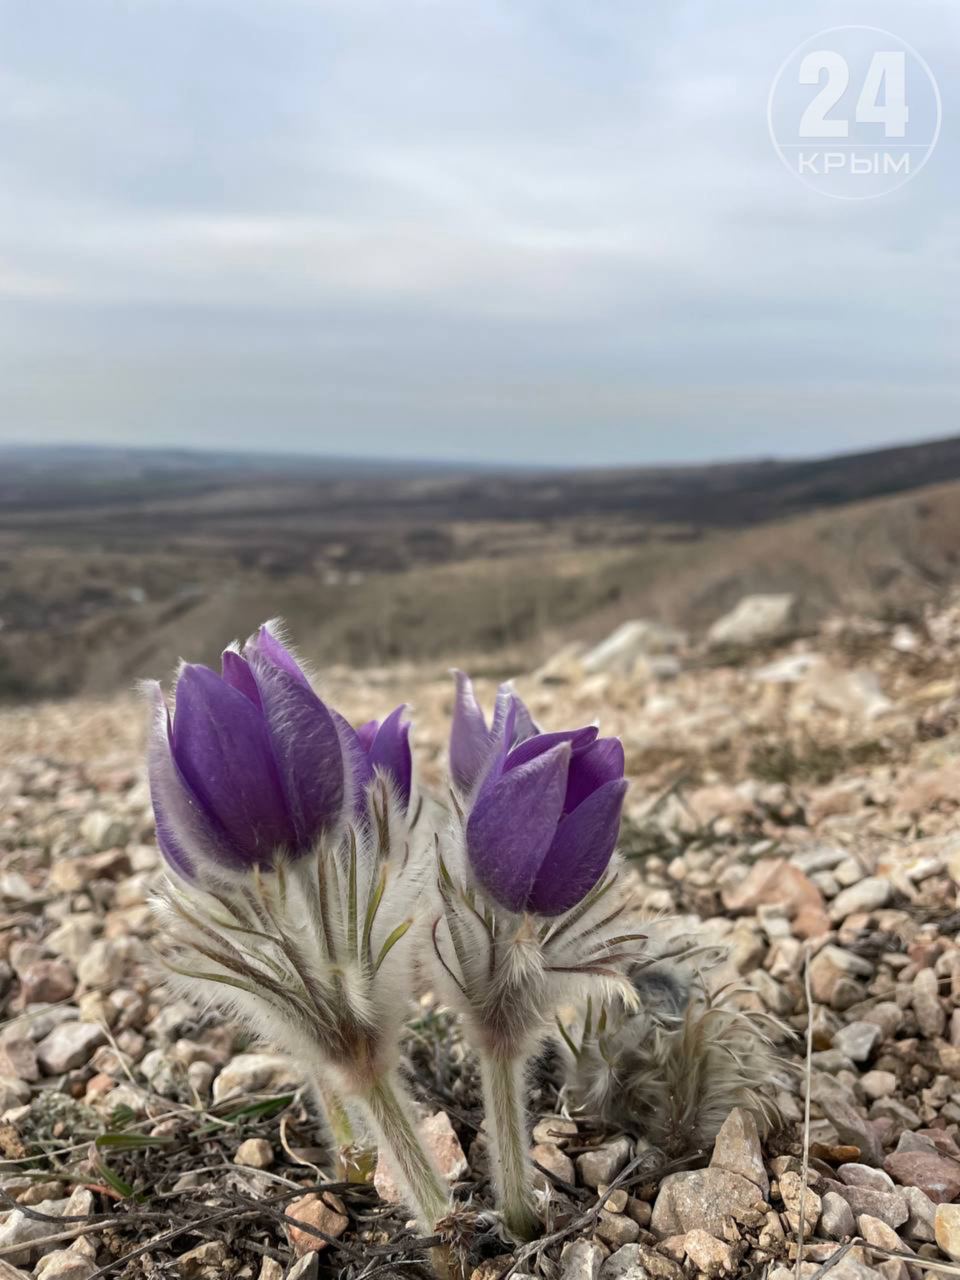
(796, 799)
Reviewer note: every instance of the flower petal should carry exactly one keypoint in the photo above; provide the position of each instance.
(366, 734)
(601, 762)
(306, 745)
(470, 739)
(221, 747)
(390, 751)
(357, 770)
(513, 824)
(580, 853)
(236, 672)
(579, 739)
(188, 836)
(265, 646)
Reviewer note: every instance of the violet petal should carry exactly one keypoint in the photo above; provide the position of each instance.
(580, 852)
(601, 762)
(470, 739)
(390, 751)
(236, 672)
(307, 748)
(513, 823)
(221, 747)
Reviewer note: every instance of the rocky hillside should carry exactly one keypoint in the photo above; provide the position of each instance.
(796, 798)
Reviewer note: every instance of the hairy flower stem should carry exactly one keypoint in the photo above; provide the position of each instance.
(356, 1157)
(389, 1111)
(502, 1076)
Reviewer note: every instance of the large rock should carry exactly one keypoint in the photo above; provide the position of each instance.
(936, 1176)
(946, 1225)
(618, 654)
(754, 620)
(705, 1198)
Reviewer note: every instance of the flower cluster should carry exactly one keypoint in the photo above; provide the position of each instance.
(304, 880)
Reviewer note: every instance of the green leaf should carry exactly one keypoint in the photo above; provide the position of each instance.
(132, 1141)
(391, 942)
(114, 1180)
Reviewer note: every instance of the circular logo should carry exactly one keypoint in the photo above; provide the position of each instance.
(854, 112)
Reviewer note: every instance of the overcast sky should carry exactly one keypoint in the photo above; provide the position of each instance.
(480, 229)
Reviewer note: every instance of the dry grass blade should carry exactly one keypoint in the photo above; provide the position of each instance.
(807, 1082)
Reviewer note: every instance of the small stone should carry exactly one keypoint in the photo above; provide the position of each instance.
(709, 1255)
(582, 1260)
(927, 1005)
(101, 831)
(441, 1141)
(256, 1153)
(491, 1268)
(862, 1175)
(792, 1194)
(851, 1127)
(602, 1165)
(205, 1260)
(68, 1046)
(878, 1084)
(946, 1226)
(47, 982)
(876, 1232)
(836, 1217)
(18, 1232)
(270, 1269)
(920, 1223)
(554, 1129)
(889, 1206)
(705, 1198)
(63, 1264)
(639, 1262)
(858, 1040)
(616, 1229)
(554, 1161)
(13, 1092)
(18, 1059)
(835, 974)
(935, 1175)
(640, 1211)
(737, 1149)
(870, 894)
(256, 1073)
(326, 1212)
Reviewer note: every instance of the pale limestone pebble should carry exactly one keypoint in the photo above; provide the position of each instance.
(863, 1175)
(705, 1198)
(108, 962)
(437, 1134)
(774, 995)
(270, 1269)
(18, 1058)
(793, 1196)
(162, 1075)
(866, 895)
(491, 1268)
(255, 1153)
(18, 1232)
(554, 1129)
(73, 937)
(922, 1213)
(889, 1206)
(68, 1046)
(616, 1229)
(204, 1262)
(836, 977)
(888, 1016)
(878, 1084)
(858, 1040)
(13, 1093)
(927, 1005)
(325, 1212)
(836, 1217)
(601, 1166)
(554, 1161)
(737, 1149)
(200, 1077)
(875, 1231)
(256, 1073)
(64, 1264)
(583, 1260)
(711, 1257)
(34, 1192)
(47, 982)
(849, 1125)
(103, 831)
(639, 1262)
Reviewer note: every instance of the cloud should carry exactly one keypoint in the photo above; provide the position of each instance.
(394, 227)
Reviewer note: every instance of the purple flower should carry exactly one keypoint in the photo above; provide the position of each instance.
(472, 744)
(251, 764)
(545, 820)
(386, 746)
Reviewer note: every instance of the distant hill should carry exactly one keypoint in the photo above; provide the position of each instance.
(114, 562)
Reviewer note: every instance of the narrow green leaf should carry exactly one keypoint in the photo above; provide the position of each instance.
(391, 942)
